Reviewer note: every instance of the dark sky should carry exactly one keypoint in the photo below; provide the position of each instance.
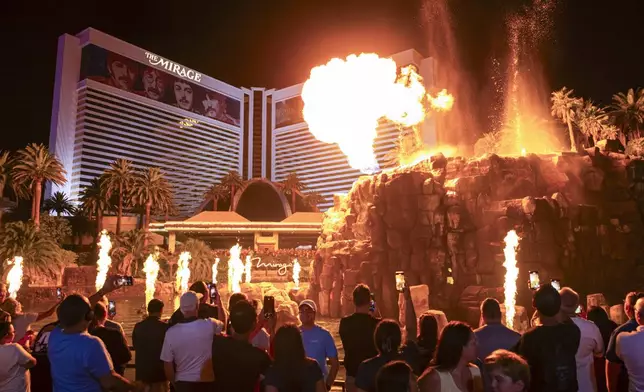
(595, 47)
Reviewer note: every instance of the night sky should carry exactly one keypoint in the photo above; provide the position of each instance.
(595, 47)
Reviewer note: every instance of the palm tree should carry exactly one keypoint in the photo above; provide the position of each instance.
(151, 188)
(24, 239)
(592, 121)
(313, 199)
(291, 186)
(59, 203)
(628, 112)
(94, 201)
(232, 182)
(34, 165)
(130, 247)
(564, 105)
(118, 178)
(201, 261)
(215, 193)
(5, 173)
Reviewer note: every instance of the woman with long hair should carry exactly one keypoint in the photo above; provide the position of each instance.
(396, 376)
(450, 370)
(421, 338)
(291, 370)
(606, 327)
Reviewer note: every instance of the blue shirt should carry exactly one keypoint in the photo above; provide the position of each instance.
(319, 345)
(77, 360)
(492, 337)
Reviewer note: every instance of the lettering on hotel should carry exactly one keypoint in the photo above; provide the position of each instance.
(176, 69)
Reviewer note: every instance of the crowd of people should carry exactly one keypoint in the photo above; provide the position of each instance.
(203, 347)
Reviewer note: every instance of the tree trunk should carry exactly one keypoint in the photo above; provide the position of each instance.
(148, 206)
(1, 198)
(232, 197)
(33, 203)
(37, 191)
(573, 144)
(99, 223)
(293, 201)
(119, 213)
(215, 200)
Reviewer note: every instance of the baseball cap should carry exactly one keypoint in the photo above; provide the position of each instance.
(189, 301)
(310, 303)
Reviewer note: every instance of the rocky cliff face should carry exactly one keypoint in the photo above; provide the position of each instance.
(442, 221)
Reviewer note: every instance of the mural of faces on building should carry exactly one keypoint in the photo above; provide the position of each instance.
(154, 82)
(122, 72)
(183, 94)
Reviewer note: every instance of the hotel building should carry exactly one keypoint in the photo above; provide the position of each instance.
(114, 100)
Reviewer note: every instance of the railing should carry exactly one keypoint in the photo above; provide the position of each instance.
(336, 383)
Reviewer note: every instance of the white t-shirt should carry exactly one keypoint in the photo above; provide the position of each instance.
(630, 348)
(591, 345)
(13, 376)
(22, 324)
(189, 347)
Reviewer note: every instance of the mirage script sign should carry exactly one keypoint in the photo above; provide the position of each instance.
(282, 268)
(176, 69)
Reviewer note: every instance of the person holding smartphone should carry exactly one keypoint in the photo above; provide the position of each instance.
(356, 333)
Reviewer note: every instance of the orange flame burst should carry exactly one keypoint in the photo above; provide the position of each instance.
(511, 275)
(345, 99)
(442, 101)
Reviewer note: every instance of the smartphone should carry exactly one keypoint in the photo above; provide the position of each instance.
(125, 280)
(372, 304)
(578, 310)
(556, 284)
(269, 307)
(111, 308)
(213, 292)
(59, 293)
(400, 281)
(534, 280)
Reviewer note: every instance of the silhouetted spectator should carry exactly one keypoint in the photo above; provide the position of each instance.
(147, 338)
(420, 345)
(237, 365)
(356, 333)
(396, 376)
(206, 310)
(109, 323)
(606, 327)
(550, 348)
(630, 349)
(114, 341)
(318, 342)
(451, 369)
(291, 370)
(493, 335)
(616, 372)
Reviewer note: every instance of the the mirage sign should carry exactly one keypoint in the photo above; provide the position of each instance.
(171, 67)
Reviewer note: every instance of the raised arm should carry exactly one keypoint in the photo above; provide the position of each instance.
(48, 313)
(410, 315)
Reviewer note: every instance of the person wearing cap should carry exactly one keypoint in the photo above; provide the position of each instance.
(206, 310)
(318, 342)
(237, 364)
(186, 351)
(591, 343)
(79, 361)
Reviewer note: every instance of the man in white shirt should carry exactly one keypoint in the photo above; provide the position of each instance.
(188, 348)
(591, 344)
(630, 349)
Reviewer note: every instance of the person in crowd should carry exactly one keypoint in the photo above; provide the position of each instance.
(629, 347)
(114, 341)
(616, 373)
(422, 345)
(387, 339)
(292, 370)
(79, 361)
(396, 376)
(109, 323)
(451, 369)
(356, 333)
(206, 310)
(234, 298)
(147, 338)
(22, 321)
(14, 362)
(318, 342)
(259, 336)
(236, 364)
(606, 327)
(493, 335)
(41, 373)
(186, 351)
(591, 344)
(550, 348)
(508, 372)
